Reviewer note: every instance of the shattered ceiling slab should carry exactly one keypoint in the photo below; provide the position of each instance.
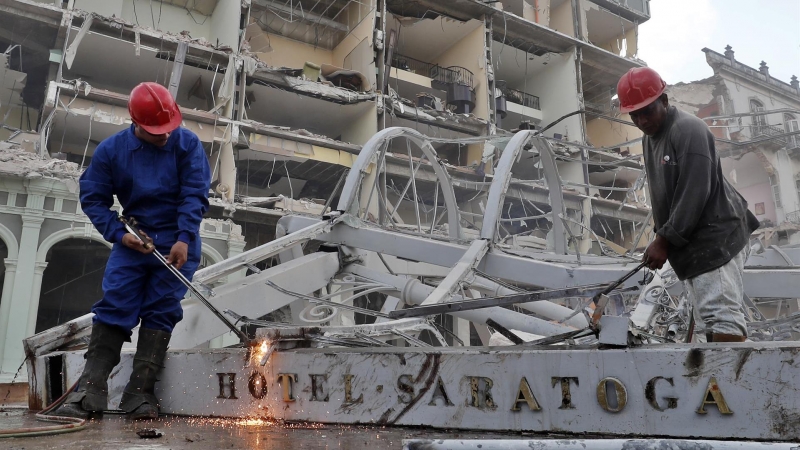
(317, 22)
(204, 7)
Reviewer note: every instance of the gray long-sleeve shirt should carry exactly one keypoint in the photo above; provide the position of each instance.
(694, 207)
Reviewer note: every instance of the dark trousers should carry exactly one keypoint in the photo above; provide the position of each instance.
(137, 286)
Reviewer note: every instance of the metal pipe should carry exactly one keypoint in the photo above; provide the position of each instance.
(413, 292)
(134, 231)
(549, 310)
(594, 444)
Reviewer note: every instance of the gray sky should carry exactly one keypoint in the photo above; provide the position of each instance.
(671, 42)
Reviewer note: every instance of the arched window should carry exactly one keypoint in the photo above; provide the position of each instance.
(72, 281)
(759, 121)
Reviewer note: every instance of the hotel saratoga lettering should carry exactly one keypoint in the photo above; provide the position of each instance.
(612, 395)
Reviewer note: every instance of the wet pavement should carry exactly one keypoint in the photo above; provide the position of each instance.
(185, 433)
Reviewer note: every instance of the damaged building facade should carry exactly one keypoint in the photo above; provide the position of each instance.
(284, 94)
(756, 120)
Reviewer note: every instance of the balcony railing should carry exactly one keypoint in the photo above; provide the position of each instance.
(519, 97)
(767, 130)
(793, 217)
(446, 75)
(792, 142)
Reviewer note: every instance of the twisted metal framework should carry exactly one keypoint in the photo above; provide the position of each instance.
(391, 252)
(368, 177)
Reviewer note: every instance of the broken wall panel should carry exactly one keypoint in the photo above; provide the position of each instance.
(275, 166)
(76, 132)
(109, 63)
(469, 53)
(609, 30)
(560, 82)
(215, 21)
(561, 17)
(317, 115)
(439, 63)
(605, 133)
(12, 107)
(516, 74)
(356, 51)
(284, 52)
(27, 35)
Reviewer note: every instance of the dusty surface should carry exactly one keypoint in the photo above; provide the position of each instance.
(181, 433)
(15, 161)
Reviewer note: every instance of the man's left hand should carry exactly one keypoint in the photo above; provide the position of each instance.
(178, 254)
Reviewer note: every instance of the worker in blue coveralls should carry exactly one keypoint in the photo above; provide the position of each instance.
(160, 174)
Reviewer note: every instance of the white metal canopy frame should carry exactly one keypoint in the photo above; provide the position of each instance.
(373, 158)
(310, 309)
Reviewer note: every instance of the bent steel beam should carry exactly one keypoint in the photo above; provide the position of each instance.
(464, 268)
(253, 297)
(413, 292)
(499, 187)
(502, 178)
(554, 191)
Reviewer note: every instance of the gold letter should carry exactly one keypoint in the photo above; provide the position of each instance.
(485, 400)
(257, 385)
(566, 395)
(621, 394)
(404, 383)
(287, 380)
(230, 383)
(650, 395)
(318, 387)
(439, 391)
(714, 396)
(348, 390)
(525, 395)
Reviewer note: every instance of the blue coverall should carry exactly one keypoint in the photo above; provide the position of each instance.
(166, 190)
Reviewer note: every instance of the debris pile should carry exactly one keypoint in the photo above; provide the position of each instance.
(17, 162)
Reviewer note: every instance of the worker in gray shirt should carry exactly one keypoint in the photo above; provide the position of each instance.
(702, 224)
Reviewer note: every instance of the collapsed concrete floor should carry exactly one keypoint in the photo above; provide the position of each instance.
(182, 433)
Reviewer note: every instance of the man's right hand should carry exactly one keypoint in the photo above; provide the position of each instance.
(131, 241)
(656, 254)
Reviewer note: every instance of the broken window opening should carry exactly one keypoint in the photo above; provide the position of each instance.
(72, 281)
(320, 24)
(24, 68)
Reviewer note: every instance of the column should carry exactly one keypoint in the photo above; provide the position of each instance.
(236, 246)
(23, 305)
(5, 309)
(36, 290)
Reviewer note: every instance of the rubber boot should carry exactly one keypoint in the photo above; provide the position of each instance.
(138, 398)
(90, 398)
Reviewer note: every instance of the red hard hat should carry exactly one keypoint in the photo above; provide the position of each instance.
(638, 88)
(152, 107)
